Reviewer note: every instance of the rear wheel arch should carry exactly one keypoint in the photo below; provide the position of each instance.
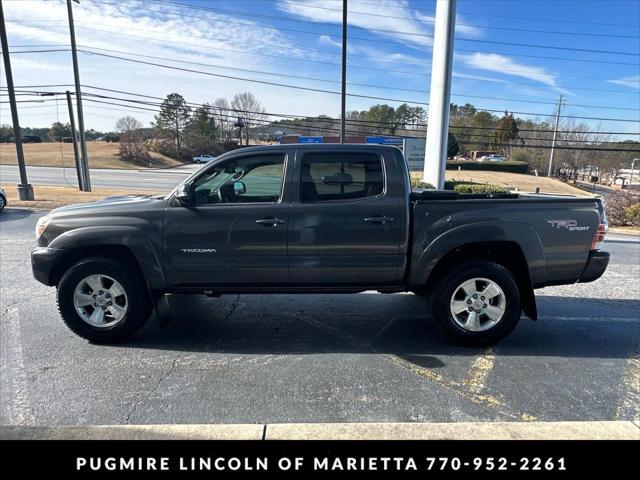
(509, 254)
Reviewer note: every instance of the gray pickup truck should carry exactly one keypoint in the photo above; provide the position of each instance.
(316, 219)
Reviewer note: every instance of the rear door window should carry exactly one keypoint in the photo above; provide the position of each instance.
(340, 176)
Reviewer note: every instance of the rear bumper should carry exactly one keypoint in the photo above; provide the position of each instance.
(596, 265)
(42, 261)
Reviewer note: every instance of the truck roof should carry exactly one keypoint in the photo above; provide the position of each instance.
(320, 146)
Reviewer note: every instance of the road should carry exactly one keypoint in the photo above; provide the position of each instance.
(146, 179)
(332, 358)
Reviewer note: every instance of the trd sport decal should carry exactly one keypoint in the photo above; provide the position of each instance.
(571, 225)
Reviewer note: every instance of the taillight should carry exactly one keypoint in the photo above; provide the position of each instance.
(598, 238)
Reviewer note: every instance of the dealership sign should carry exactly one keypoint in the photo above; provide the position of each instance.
(413, 149)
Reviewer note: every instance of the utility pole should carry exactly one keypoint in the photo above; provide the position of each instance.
(633, 165)
(343, 129)
(76, 75)
(435, 157)
(25, 190)
(555, 134)
(76, 155)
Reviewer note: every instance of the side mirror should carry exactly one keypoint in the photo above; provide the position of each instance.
(183, 193)
(239, 187)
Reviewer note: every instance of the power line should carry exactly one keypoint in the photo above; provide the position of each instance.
(361, 84)
(299, 87)
(290, 58)
(537, 19)
(552, 47)
(490, 27)
(353, 121)
(315, 51)
(298, 126)
(417, 124)
(317, 128)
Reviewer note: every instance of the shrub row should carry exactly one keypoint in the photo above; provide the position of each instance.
(477, 188)
(460, 187)
(511, 167)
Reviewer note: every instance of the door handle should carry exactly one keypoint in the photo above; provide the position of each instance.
(270, 221)
(379, 219)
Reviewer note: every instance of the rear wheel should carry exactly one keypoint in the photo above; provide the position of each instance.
(103, 300)
(477, 303)
(3, 202)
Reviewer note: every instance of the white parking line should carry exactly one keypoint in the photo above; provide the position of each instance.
(629, 404)
(15, 406)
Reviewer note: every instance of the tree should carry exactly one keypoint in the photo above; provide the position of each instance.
(506, 133)
(452, 145)
(201, 131)
(59, 130)
(407, 116)
(172, 119)
(248, 110)
(221, 111)
(131, 138)
(382, 118)
(6, 133)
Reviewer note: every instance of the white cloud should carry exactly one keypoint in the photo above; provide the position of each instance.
(327, 40)
(494, 62)
(211, 38)
(461, 26)
(632, 82)
(414, 34)
(481, 78)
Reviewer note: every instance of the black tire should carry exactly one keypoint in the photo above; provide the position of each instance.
(447, 287)
(139, 304)
(3, 202)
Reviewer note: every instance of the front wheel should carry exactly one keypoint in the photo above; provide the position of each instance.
(477, 303)
(102, 300)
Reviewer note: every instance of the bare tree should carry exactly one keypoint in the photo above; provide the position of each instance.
(221, 111)
(249, 110)
(131, 138)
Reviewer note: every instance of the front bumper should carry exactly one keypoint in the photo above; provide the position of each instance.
(43, 260)
(596, 265)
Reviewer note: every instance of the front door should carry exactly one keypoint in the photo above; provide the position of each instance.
(235, 230)
(346, 223)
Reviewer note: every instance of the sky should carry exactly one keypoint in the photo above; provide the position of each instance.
(519, 55)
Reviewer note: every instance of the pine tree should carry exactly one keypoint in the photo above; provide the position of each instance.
(506, 133)
(173, 118)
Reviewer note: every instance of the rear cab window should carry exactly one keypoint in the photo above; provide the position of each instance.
(340, 176)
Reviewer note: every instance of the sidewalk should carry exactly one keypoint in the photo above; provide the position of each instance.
(599, 430)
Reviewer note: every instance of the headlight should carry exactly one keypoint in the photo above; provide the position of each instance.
(41, 226)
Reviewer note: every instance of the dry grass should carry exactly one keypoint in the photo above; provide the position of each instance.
(47, 198)
(101, 155)
(524, 183)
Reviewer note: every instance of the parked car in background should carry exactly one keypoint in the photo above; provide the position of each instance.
(493, 158)
(31, 139)
(3, 199)
(203, 159)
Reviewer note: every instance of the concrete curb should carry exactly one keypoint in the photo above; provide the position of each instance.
(601, 430)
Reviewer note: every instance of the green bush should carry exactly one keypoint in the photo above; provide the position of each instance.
(510, 166)
(477, 188)
(633, 214)
(417, 183)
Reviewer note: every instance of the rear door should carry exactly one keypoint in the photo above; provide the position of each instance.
(345, 221)
(235, 232)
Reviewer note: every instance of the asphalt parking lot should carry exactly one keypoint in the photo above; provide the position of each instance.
(318, 358)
